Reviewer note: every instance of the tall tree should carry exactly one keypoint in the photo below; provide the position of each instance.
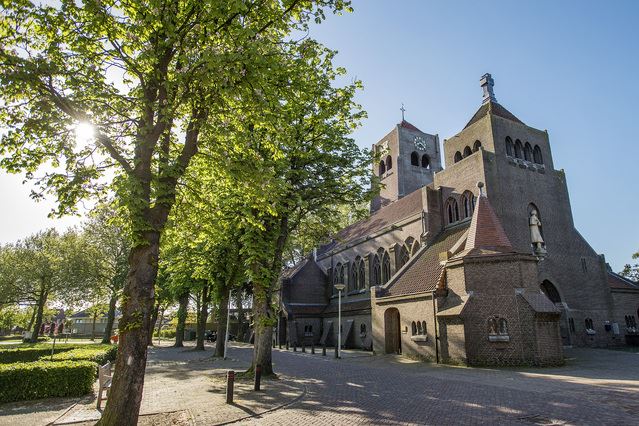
(149, 77)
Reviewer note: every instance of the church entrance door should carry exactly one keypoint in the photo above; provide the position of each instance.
(553, 294)
(392, 331)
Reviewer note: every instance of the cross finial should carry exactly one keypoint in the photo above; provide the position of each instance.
(402, 109)
(487, 84)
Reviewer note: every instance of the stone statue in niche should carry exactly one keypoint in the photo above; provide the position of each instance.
(535, 233)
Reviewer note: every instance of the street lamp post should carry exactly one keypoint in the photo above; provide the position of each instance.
(339, 288)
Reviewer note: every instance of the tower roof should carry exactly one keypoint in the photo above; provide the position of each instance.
(490, 104)
(405, 124)
(486, 231)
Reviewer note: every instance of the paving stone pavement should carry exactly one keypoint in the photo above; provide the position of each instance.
(596, 387)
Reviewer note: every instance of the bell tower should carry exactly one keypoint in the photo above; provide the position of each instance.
(407, 159)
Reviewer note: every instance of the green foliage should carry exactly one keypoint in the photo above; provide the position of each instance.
(98, 354)
(631, 271)
(41, 379)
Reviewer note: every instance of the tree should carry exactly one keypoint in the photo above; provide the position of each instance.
(632, 271)
(48, 265)
(150, 78)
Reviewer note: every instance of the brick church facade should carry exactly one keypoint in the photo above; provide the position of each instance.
(477, 263)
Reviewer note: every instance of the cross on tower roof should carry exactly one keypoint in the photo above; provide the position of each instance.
(487, 84)
(402, 109)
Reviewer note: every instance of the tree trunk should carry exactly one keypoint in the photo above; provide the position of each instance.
(108, 330)
(42, 300)
(95, 317)
(160, 326)
(204, 313)
(240, 315)
(125, 395)
(154, 319)
(33, 315)
(263, 335)
(181, 317)
(222, 313)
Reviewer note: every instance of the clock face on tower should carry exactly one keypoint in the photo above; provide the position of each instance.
(420, 143)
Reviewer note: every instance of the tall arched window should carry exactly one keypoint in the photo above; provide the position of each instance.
(518, 149)
(413, 327)
(509, 146)
(382, 167)
(414, 159)
(354, 276)
(537, 155)
(425, 161)
(386, 266)
(458, 157)
(467, 151)
(452, 209)
(467, 204)
(389, 163)
(361, 273)
(528, 154)
(376, 271)
(414, 248)
(419, 327)
(402, 256)
(476, 146)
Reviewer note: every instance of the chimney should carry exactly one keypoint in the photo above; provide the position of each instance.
(487, 84)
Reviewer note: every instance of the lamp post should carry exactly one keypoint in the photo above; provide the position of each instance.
(339, 288)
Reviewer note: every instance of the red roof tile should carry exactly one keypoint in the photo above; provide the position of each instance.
(485, 230)
(422, 275)
(405, 124)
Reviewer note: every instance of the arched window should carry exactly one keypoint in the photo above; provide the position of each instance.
(389, 163)
(382, 167)
(362, 329)
(414, 159)
(452, 209)
(550, 291)
(528, 153)
(419, 327)
(338, 276)
(509, 146)
(354, 277)
(425, 161)
(458, 157)
(476, 146)
(467, 204)
(424, 327)
(402, 256)
(414, 248)
(589, 324)
(467, 151)
(498, 329)
(386, 266)
(361, 274)
(413, 327)
(518, 149)
(537, 155)
(376, 271)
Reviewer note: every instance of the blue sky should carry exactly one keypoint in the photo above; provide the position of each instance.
(566, 66)
(571, 67)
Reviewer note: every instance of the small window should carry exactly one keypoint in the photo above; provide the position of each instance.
(382, 167)
(590, 327)
(458, 157)
(453, 210)
(419, 328)
(425, 161)
(362, 329)
(584, 265)
(424, 327)
(414, 159)
(413, 327)
(631, 323)
(389, 163)
(537, 155)
(518, 149)
(498, 329)
(528, 153)
(476, 146)
(571, 324)
(467, 151)
(509, 146)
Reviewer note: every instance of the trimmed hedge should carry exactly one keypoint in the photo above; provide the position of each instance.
(45, 379)
(29, 354)
(98, 354)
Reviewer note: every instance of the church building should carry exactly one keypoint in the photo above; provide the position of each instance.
(478, 263)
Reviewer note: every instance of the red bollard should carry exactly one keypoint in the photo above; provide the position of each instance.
(230, 380)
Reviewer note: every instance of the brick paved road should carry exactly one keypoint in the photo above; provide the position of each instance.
(596, 387)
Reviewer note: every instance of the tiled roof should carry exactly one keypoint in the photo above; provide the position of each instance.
(617, 281)
(290, 272)
(405, 124)
(395, 212)
(423, 273)
(540, 303)
(485, 229)
(495, 109)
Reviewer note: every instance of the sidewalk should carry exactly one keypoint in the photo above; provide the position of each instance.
(182, 387)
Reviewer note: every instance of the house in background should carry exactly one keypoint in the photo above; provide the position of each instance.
(81, 323)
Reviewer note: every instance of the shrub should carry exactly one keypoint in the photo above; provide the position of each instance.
(98, 354)
(41, 379)
(29, 353)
